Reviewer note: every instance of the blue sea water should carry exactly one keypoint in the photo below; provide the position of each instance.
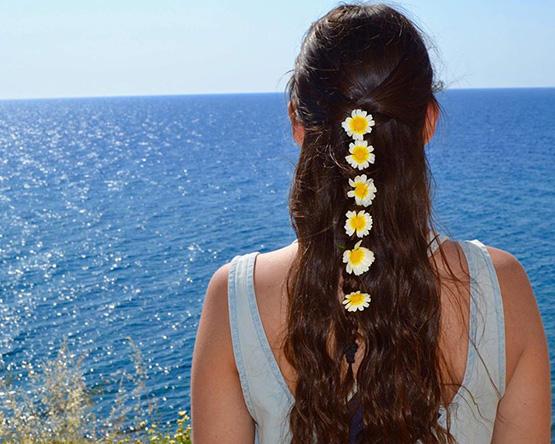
(115, 212)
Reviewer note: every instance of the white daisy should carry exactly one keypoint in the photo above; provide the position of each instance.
(358, 124)
(363, 190)
(360, 222)
(358, 259)
(356, 301)
(361, 154)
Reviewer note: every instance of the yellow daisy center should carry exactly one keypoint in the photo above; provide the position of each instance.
(361, 190)
(356, 298)
(359, 124)
(358, 222)
(360, 153)
(357, 255)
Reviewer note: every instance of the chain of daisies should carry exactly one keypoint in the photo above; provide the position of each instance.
(359, 223)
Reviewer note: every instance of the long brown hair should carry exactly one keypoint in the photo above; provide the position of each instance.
(370, 57)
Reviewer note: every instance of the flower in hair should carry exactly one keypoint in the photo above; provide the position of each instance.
(359, 222)
(361, 155)
(363, 190)
(358, 259)
(356, 300)
(358, 124)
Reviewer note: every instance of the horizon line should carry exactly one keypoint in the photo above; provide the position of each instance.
(228, 93)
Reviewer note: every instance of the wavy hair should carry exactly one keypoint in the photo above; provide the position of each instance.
(370, 57)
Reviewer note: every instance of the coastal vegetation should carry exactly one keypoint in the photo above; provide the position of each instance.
(55, 406)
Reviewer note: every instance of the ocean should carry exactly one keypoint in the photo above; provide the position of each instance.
(115, 212)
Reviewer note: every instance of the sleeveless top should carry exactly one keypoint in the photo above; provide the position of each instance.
(474, 406)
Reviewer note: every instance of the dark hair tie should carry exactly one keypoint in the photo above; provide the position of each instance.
(350, 351)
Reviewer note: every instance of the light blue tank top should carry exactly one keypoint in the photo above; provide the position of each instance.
(269, 400)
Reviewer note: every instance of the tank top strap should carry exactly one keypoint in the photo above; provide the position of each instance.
(489, 317)
(265, 398)
(242, 330)
(474, 406)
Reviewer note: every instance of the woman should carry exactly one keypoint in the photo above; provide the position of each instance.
(371, 327)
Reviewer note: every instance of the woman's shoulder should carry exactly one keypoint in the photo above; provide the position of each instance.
(522, 319)
(516, 290)
(522, 324)
(267, 264)
(526, 404)
(271, 266)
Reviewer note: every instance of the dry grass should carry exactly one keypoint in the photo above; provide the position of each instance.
(57, 407)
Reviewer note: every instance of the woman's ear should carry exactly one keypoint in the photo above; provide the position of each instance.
(432, 114)
(296, 127)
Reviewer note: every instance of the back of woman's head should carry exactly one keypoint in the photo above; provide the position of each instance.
(368, 57)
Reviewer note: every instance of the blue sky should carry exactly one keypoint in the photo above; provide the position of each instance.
(62, 48)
